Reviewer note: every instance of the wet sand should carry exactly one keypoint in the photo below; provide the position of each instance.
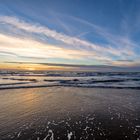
(68, 113)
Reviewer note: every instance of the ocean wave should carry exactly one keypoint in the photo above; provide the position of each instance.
(11, 80)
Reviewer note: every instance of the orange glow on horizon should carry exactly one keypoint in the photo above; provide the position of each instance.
(31, 67)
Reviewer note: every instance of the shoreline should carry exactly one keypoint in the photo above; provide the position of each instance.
(74, 86)
(69, 112)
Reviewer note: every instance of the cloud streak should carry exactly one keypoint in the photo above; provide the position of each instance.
(79, 49)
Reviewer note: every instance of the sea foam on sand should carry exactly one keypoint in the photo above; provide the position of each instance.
(69, 113)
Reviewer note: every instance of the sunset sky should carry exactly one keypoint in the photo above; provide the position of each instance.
(73, 32)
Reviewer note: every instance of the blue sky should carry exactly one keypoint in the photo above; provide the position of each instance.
(87, 32)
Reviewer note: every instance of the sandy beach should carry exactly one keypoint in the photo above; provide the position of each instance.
(69, 69)
(69, 113)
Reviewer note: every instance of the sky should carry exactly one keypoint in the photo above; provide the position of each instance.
(71, 32)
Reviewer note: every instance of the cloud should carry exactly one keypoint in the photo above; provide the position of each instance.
(23, 49)
(79, 49)
(125, 60)
(5, 53)
(123, 43)
(96, 68)
(31, 48)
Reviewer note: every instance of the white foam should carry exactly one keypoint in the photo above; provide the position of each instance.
(69, 135)
(50, 134)
(84, 79)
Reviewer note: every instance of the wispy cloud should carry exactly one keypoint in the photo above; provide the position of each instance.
(122, 43)
(31, 48)
(79, 49)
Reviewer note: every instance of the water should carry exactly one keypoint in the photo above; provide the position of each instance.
(69, 105)
(22, 79)
(69, 113)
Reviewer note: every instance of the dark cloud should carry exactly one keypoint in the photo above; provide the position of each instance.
(96, 68)
(125, 60)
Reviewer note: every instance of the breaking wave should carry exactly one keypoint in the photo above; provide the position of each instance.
(20, 79)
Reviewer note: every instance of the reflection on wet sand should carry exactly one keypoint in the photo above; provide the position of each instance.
(69, 113)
